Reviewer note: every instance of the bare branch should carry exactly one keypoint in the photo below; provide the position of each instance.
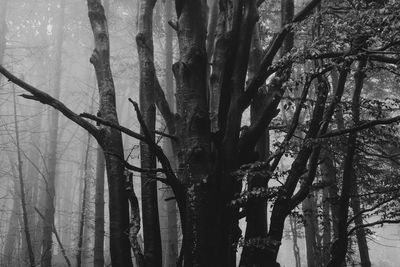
(164, 107)
(113, 125)
(363, 126)
(46, 99)
(171, 178)
(372, 208)
(362, 226)
(265, 71)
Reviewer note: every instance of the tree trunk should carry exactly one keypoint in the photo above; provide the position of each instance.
(49, 208)
(99, 211)
(110, 140)
(361, 235)
(22, 191)
(194, 135)
(85, 194)
(12, 233)
(339, 247)
(151, 223)
(256, 209)
(3, 30)
(310, 217)
(329, 202)
(296, 250)
(167, 201)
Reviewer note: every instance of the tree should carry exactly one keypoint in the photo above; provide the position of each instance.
(151, 222)
(215, 156)
(49, 192)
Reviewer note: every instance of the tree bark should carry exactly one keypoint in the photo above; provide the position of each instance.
(110, 139)
(151, 223)
(194, 134)
(49, 208)
(99, 211)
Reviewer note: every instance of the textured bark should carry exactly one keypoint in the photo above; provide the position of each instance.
(110, 139)
(151, 223)
(193, 132)
(49, 208)
(99, 211)
(339, 247)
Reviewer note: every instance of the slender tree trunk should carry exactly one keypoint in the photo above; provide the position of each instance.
(339, 247)
(49, 209)
(33, 177)
(12, 233)
(310, 217)
(329, 202)
(3, 30)
(360, 234)
(85, 194)
(168, 202)
(22, 191)
(98, 248)
(111, 140)
(99, 211)
(151, 223)
(134, 223)
(296, 249)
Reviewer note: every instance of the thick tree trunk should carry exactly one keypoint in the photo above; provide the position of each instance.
(110, 140)
(151, 223)
(49, 208)
(194, 135)
(99, 211)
